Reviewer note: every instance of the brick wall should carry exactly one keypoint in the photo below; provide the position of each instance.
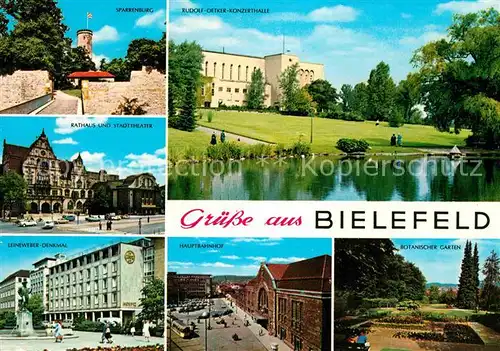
(148, 86)
(23, 86)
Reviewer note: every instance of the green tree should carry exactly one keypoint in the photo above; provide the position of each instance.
(100, 203)
(434, 294)
(408, 95)
(448, 297)
(187, 115)
(396, 118)
(475, 274)
(13, 189)
(381, 93)
(152, 301)
(119, 67)
(490, 294)
(146, 52)
(290, 88)
(346, 97)
(359, 100)
(304, 103)
(323, 94)
(35, 306)
(466, 295)
(256, 90)
(459, 76)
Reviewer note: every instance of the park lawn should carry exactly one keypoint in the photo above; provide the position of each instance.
(276, 128)
(73, 92)
(179, 141)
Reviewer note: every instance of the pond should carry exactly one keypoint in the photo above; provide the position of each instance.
(335, 179)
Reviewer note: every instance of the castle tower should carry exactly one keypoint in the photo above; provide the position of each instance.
(84, 39)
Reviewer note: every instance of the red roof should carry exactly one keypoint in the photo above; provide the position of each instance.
(91, 74)
(277, 270)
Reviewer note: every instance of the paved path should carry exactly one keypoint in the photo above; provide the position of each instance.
(489, 336)
(230, 136)
(63, 104)
(85, 339)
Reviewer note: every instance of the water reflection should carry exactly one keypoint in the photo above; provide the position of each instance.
(406, 179)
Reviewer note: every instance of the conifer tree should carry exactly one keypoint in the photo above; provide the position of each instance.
(187, 115)
(475, 261)
(466, 295)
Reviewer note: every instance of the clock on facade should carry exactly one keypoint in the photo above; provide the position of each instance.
(129, 257)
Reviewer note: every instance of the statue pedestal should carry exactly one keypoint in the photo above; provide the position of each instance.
(25, 324)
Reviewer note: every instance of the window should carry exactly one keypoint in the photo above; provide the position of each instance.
(215, 69)
(113, 282)
(96, 272)
(297, 343)
(228, 90)
(74, 290)
(87, 301)
(297, 315)
(239, 72)
(281, 309)
(223, 67)
(88, 274)
(113, 297)
(206, 68)
(105, 284)
(88, 287)
(213, 89)
(236, 90)
(105, 299)
(96, 286)
(203, 91)
(231, 72)
(104, 269)
(221, 88)
(96, 300)
(245, 91)
(74, 302)
(114, 267)
(246, 75)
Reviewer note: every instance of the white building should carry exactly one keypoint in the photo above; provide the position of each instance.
(39, 277)
(9, 287)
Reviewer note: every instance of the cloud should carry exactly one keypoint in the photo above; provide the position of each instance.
(181, 4)
(145, 160)
(257, 258)
(463, 7)
(422, 39)
(179, 264)
(406, 15)
(156, 18)
(286, 259)
(97, 59)
(68, 141)
(68, 125)
(185, 25)
(91, 159)
(216, 265)
(231, 257)
(338, 13)
(161, 151)
(258, 241)
(106, 34)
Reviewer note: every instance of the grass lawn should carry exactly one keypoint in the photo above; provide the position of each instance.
(179, 141)
(74, 92)
(277, 128)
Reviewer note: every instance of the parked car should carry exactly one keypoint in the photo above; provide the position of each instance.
(70, 218)
(125, 216)
(27, 223)
(61, 221)
(48, 225)
(116, 218)
(92, 219)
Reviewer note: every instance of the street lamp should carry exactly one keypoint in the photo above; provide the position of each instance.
(312, 116)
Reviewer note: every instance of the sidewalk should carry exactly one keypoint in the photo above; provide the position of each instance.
(265, 339)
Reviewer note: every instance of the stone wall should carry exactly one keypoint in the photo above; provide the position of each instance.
(23, 86)
(102, 98)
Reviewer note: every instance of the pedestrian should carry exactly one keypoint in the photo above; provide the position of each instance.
(100, 225)
(110, 225)
(107, 334)
(58, 332)
(148, 219)
(132, 330)
(145, 331)
(377, 123)
(222, 136)
(213, 140)
(103, 335)
(400, 140)
(393, 140)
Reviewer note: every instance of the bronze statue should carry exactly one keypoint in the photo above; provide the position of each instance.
(24, 294)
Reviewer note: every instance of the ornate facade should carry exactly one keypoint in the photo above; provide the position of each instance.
(58, 186)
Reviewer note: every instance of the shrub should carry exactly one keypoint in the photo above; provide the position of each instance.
(210, 116)
(224, 151)
(280, 150)
(491, 320)
(398, 319)
(352, 145)
(301, 148)
(426, 336)
(378, 302)
(130, 107)
(345, 116)
(408, 305)
(258, 150)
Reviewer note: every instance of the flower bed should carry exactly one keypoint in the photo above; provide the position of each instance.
(423, 327)
(421, 335)
(461, 333)
(402, 319)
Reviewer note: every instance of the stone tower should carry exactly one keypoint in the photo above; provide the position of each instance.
(84, 39)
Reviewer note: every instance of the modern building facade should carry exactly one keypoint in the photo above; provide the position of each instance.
(292, 301)
(187, 286)
(9, 287)
(62, 186)
(102, 283)
(39, 277)
(227, 76)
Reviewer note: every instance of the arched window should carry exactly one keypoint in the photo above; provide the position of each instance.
(231, 72)
(262, 306)
(215, 69)
(239, 72)
(66, 192)
(254, 69)
(206, 68)
(223, 67)
(246, 75)
(312, 76)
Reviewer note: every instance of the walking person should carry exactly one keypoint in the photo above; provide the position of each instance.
(107, 334)
(145, 331)
(213, 139)
(393, 140)
(58, 331)
(103, 335)
(400, 140)
(222, 136)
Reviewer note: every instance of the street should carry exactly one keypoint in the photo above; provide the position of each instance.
(219, 337)
(156, 225)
